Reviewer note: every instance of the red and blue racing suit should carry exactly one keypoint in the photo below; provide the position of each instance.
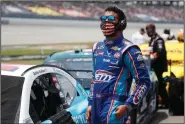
(115, 64)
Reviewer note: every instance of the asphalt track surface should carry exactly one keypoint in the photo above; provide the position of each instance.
(162, 117)
(37, 31)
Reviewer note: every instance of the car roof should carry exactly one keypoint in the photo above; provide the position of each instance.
(71, 54)
(14, 69)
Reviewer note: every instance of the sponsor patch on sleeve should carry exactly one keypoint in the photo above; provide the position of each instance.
(140, 57)
(139, 94)
(160, 46)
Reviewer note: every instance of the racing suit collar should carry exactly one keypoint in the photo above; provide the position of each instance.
(115, 42)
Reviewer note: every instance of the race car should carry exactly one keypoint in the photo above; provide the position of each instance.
(79, 64)
(41, 94)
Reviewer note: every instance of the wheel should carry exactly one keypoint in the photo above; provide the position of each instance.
(156, 97)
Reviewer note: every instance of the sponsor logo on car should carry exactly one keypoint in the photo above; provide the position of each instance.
(81, 59)
(80, 118)
(39, 71)
(9, 68)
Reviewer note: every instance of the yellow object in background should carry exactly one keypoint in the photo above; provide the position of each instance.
(178, 70)
(167, 87)
(175, 53)
(174, 48)
(44, 11)
(180, 35)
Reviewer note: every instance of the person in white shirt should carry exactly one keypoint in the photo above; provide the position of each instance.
(168, 35)
(138, 37)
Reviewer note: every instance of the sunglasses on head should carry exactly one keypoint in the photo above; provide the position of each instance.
(108, 18)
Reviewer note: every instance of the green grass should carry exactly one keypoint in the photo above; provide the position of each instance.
(19, 52)
(65, 43)
(34, 62)
(32, 51)
(24, 51)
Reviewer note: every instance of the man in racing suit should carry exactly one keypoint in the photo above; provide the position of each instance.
(158, 59)
(116, 61)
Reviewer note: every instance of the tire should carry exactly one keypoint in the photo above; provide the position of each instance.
(176, 102)
(63, 117)
(157, 100)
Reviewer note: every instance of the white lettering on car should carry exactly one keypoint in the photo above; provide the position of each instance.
(39, 71)
(80, 118)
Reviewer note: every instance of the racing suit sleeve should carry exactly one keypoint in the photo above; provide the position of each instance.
(133, 60)
(91, 88)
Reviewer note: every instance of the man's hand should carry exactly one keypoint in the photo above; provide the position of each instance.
(120, 111)
(155, 55)
(88, 114)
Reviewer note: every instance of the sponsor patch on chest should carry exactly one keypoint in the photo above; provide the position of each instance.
(106, 60)
(102, 76)
(117, 55)
(100, 53)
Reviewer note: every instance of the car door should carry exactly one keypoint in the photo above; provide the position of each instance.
(40, 91)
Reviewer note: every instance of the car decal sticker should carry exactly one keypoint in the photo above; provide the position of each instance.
(9, 68)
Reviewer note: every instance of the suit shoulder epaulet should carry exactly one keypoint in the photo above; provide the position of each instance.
(96, 45)
(128, 44)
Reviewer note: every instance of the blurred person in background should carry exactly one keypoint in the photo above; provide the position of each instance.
(116, 62)
(180, 35)
(167, 35)
(158, 57)
(139, 37)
